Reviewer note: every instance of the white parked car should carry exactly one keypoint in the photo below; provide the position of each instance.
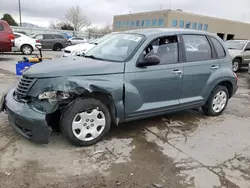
(78, 49)
(77, 40)
(25, 44)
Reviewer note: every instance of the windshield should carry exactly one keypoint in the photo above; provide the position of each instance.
(236, 45)
(115, 47)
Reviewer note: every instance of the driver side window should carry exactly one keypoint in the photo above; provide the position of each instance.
(166, 48)
(248, 46)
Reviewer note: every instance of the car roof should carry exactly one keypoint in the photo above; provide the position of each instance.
(167, 31)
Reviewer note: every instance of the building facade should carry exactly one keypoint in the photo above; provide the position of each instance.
(226, 29)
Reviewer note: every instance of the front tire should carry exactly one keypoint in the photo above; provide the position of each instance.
(217, 101)
(85, 122)
(26, 49)
(236, 65)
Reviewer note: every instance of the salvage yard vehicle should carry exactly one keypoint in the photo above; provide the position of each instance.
(55, 42)
(6, 37)
(78, 49)
(130, 75)
(25, 44)
(240, 53)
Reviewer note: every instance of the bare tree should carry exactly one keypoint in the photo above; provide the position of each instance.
(76, 18)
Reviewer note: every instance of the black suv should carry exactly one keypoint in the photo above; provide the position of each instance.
(55, 42)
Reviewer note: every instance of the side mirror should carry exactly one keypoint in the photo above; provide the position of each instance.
(149, 61)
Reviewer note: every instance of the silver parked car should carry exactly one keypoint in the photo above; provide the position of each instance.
(240, 53)
(77, 40)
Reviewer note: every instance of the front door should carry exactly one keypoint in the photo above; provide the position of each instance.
(246, 54)
(154, 89)
(199, 65)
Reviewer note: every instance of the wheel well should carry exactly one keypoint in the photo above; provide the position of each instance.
(229, 87)
(239, 58)
(108, 101)
(27, 45)
(58, 44)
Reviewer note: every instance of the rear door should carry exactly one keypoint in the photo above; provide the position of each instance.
(200, 63)
(49, 41)
(246, 54)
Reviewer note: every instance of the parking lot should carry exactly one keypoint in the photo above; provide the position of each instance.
(186, 149)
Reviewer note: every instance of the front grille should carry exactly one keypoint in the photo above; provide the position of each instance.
(23, 86)
(67, 51)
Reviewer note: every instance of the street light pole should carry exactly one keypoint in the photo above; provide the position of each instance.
(20, 14)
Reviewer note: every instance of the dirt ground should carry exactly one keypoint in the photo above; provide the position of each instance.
(185, 149)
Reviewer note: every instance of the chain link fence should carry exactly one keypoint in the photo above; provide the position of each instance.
(30, 31)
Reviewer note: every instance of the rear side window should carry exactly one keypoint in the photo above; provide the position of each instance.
(59, 36)
(218, 48)
(1, 27)
(197, 48)
(48, 36)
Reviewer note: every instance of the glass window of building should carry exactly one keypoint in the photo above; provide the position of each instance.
(182, 23)
(132, 23)
(205, 27)
(161, 22)
(117, 24)
(188, 24)
(148, 23)
(154, 22)
(174, 23)
(200, 26)
(138, 23)
(194, 25)
(128, 24)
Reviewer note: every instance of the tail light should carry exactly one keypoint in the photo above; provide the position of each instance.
(236, 77)
(38, 41)
(12, 38)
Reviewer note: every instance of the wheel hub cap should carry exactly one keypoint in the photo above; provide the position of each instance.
(88, 125)
(219, 101)
(235, 66)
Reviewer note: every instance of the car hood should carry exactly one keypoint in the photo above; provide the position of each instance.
(73, 66)
(79, 47)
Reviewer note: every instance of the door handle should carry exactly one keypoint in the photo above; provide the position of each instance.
(214, 67)
(177, 71)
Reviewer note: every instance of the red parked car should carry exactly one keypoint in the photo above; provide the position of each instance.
(6, 37)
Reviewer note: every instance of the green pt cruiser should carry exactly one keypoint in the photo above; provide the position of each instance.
(128, 76)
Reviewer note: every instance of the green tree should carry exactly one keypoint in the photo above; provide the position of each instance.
(67, 27)
(8, 18)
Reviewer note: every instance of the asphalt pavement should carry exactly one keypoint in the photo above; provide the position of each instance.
(185, 149)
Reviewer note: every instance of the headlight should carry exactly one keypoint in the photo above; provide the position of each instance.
(53, 95)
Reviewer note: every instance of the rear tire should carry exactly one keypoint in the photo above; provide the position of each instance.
(236, 65)
(26, 49)
(85, 122)
(57, 47)
(217, 101)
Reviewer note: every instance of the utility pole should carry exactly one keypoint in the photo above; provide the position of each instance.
(20, 13)
(170, 3)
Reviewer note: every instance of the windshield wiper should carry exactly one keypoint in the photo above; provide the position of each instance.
(232, 48)
(93, 57)
(90, 56)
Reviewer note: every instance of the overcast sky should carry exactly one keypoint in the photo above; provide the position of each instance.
(100, 12)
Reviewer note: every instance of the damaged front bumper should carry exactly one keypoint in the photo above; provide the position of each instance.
(28, 122)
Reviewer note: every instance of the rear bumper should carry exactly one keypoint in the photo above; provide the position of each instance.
(26, 121)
